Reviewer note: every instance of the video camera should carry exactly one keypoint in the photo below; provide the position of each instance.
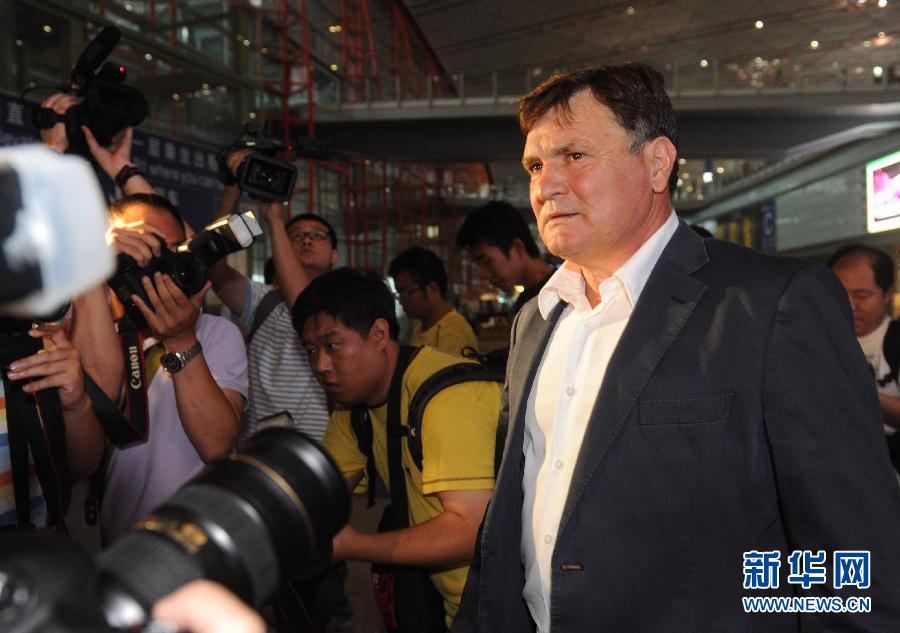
(108, 106)
(260, 175)
(188, 265)
(246, 522)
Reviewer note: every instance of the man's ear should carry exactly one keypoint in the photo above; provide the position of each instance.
(380, 332)
(661, 155)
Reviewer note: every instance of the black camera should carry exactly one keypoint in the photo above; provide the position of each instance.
(260, 175)
(188, 264)
(107, 107)
(246, 522)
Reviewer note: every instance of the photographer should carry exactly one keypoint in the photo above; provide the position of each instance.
(280, 378)
(195, 399)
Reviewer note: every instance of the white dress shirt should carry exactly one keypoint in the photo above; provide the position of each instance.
(562, 398)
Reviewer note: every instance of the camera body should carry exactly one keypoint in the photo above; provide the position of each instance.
(107, 105)
(260, 175)
(188, 265)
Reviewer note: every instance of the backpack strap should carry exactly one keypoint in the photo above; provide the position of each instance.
(455, 374)
(362, 424)
(263, 310)
(891, 348)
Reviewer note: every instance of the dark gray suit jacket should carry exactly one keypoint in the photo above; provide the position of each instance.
(737, 413)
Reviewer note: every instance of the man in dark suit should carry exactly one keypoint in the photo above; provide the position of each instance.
(684, 415)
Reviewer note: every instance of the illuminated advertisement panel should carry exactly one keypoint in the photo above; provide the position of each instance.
(883, 193)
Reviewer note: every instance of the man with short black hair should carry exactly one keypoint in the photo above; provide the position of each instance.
(867, 274)
(421, 283)
(348, 327)
(499, 240)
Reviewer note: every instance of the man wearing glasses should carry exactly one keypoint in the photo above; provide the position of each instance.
(280, 378)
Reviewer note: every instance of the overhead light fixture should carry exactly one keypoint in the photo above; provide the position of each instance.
(20, 43)
(759, 24)
(176, 97)
(246, 42)
(720, 170)
(704, 63)
(867, 44)
(682, 161)
(679, 183)
(334, 67)
(814, 44)
(859, 3)
(629, 11)
(707, 177)
(252, 115)
(881, 35)
(47, 28)
(204, 85)
(882, 4)
(878, 72)
(128, 7)
(148, 57)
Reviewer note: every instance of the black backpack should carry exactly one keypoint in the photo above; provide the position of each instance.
(407, 600)
(442, 379)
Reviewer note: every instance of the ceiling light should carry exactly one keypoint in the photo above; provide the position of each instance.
(128, 7)
(690, 189)
(720, 170)
(685, 175)
(679, 183)
(858, 70)
(334, 67)
(878, 72)
(176, 97)
(629, 11)
(759, 24)
(682, 161)
(246, 42)
(20, 43)
(880, 35)
(814, 44)
(148, 57)
(867, 44)
(704, 63)
(204, 85)
(48, 28)
(699, 196)
(882, 4)
(859, 3)
(707, 177)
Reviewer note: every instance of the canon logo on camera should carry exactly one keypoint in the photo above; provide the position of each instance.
(135, 367)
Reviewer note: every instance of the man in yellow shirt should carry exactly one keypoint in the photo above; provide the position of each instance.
(348, 328)
(421, 282)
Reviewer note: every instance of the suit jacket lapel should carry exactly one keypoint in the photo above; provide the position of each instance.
(664, 306)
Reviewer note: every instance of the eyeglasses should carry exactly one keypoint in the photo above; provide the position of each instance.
(316, 235)
(406, 294)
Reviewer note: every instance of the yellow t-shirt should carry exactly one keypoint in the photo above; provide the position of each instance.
(458, 433)
(451, 334)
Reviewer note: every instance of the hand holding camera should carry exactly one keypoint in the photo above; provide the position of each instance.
(58, 365)
(170, 314)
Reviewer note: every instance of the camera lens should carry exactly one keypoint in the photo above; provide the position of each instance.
(188, 272)
(243, 522)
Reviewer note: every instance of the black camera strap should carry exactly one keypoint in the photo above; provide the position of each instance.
(35, 425)
(135, 427)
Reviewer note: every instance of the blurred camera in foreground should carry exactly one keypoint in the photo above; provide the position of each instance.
(245, 522)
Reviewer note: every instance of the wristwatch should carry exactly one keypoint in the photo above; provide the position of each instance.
(174, 362)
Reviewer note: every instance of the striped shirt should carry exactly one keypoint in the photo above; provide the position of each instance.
(7, 493)
(280, 376)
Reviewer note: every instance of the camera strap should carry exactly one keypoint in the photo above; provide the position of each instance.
(135, 426)
(35, 425)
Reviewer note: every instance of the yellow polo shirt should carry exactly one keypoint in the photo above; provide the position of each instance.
(459, 429)
(451, 334)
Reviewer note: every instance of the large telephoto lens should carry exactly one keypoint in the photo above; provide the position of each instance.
(245, 522)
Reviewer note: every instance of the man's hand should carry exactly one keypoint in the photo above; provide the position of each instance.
(203, 606)
(172, 315)
(141, 245)
(273, 212)
(341, 544)
(113, 158)
(58, 365)
(55, 137)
